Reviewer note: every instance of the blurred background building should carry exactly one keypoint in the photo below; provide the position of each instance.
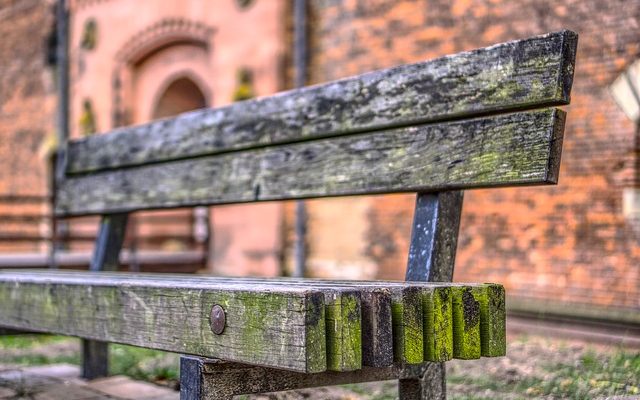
(569, 250)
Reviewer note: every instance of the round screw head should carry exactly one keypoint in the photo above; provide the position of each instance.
(218, 319)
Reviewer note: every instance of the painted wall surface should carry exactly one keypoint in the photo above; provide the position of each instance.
(140, 51)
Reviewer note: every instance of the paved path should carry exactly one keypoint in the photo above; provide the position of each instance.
(62, 382)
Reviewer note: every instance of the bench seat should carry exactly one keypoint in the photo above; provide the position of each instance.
(300, 325)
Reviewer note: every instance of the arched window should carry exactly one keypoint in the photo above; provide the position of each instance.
(180, 96)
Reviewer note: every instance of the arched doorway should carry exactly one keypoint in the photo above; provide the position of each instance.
(182, 233)
(180, 96)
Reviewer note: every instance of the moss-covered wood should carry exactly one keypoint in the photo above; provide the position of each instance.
(438, 324)
(276, 326)
(513, 149)
(492, 320)
(343, 327)
(466, 323)
(526, 73)
(437, 310)
(408, 331)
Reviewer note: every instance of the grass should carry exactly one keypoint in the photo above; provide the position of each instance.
(136, 362)
(588, 373)
(593, 375)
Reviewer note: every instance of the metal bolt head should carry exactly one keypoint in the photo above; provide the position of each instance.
(218, 319)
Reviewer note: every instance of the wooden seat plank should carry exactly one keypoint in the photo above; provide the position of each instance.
(466, 323)
(343, 327)
(277, 326)
(408, 339)
(437, 311)
(438, 324)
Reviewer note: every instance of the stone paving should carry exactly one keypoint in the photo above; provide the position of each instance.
(62, 382)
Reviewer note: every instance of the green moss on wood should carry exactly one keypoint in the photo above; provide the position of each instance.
(492, 319)
(408, 321)
(466, 323)
(263, 327)
(438, 324)
(343, 331)
(316, 344)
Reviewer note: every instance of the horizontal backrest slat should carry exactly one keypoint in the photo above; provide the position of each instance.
(509, 149)
(515, 75)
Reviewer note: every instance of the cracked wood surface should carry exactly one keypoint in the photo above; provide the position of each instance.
(430, 321)
(526, 73)
(512, 149)
(276, 326)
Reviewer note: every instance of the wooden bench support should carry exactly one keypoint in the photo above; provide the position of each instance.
(106, 255)
(207, 379)
(431, 259)
(432, 254)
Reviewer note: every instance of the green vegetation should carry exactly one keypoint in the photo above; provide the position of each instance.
(535, 368)
(136, 362)
(591, 375)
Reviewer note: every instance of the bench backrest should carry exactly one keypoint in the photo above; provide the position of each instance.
(474, 119)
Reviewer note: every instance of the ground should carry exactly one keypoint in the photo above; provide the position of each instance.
(536, 367)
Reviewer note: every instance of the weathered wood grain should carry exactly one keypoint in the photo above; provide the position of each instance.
(512, 149)
(276, 326)
(493, 327)
(377, 328)
(438, 324)
(354, 314)
(408, 329)
(220, 380)
(466, 323)
(413, 307)
(526, 73)
(343, 330)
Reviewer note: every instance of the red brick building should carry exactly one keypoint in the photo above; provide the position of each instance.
(573, 248)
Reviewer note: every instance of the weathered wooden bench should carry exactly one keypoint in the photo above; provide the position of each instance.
(478, 119)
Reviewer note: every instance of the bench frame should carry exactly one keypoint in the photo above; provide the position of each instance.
(432, 254)
(530, 156)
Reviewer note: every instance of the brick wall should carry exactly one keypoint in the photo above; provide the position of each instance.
(571, 242)
(26, 95)
(27, 115)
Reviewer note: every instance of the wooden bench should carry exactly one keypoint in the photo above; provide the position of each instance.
(478, 119)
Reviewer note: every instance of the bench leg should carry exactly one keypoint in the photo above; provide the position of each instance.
(95, 356)
(106, 257)
(432, 253)
(431, 386)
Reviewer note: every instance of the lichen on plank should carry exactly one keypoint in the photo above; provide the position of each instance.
(466, 323)
(438, 324)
